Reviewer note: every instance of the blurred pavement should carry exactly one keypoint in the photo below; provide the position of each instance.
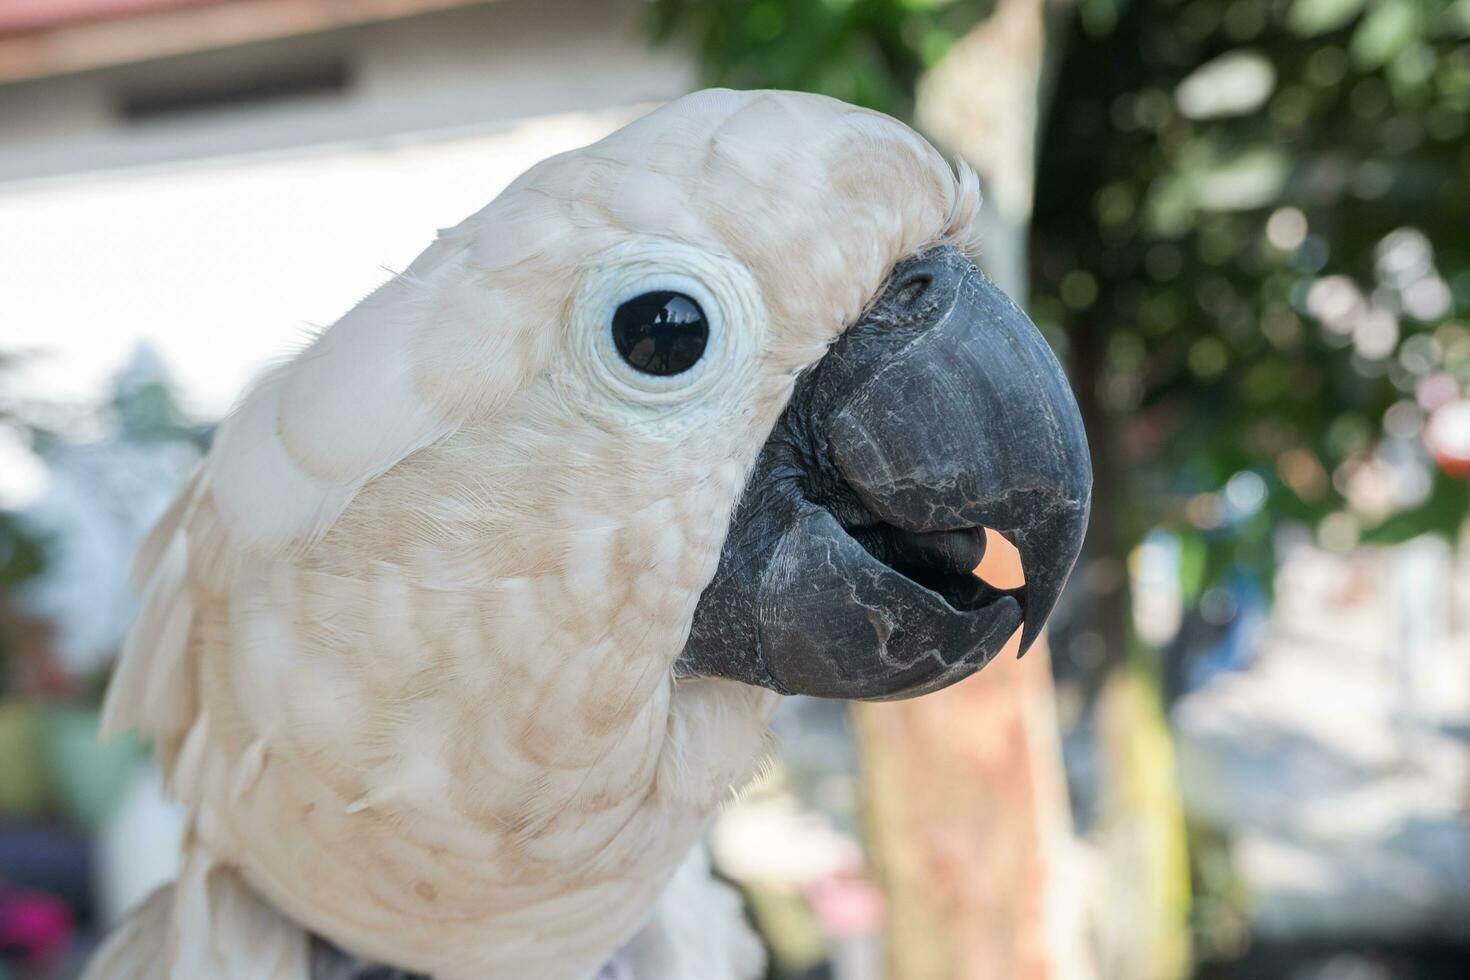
(1338, 768)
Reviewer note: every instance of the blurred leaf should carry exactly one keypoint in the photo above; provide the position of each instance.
(22, 554)
(90, 776)
(1444, 513)
(1457, 18)
(1388, 28)
(1233, 84)
(869, 52)
(1312, 17)
(1193, 562)
(1250, 179)
(23, 784)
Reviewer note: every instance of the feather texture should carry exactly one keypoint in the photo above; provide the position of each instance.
(407, 639)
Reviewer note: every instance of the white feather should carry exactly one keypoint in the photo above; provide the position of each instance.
(407, 640)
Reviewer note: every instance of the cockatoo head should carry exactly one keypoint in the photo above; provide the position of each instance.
(468, 620)
(744, 332)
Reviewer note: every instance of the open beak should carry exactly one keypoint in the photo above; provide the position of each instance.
(938, 424)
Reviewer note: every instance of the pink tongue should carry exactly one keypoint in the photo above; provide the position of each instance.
(1000, 568)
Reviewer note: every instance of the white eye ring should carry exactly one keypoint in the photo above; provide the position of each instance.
(726, 294)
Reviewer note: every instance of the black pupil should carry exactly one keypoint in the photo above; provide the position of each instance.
(661, 332)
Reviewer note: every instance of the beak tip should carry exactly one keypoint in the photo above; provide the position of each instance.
(1030, 633)
(1049, 554)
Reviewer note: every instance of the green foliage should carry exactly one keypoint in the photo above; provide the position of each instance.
(21, 552)
(867, 52)
(1269, 201)
(142, 409)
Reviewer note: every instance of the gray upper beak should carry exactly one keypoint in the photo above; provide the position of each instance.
(847, 571)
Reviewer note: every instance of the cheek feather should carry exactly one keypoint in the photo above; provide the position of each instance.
(587, 563)
(268, 500)
(349, 406)
(667, 546)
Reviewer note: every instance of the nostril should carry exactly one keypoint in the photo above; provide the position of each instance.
(912, 289)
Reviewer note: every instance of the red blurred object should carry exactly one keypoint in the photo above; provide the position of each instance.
(35, 925)
(1447, 437)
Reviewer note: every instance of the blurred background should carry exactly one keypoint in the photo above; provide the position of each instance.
(1243, 224)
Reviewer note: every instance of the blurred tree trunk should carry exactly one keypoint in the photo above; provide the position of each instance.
(983, 102)
(966, 800)
(966, 797)
(968, 823)
(1106, 603)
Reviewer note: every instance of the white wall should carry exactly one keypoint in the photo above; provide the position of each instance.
(223, 238)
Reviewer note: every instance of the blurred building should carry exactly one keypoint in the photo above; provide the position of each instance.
(219, 178)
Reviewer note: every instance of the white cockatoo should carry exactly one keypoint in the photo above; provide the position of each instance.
(478, 607)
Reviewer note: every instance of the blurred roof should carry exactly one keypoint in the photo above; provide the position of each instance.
(52, 37)
(22, 16)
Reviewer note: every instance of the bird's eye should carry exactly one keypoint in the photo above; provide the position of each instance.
(660, 332)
